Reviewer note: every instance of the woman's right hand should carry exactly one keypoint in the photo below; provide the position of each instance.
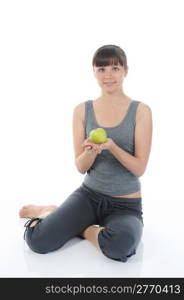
(91, 147)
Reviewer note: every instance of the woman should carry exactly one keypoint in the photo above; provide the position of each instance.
(110, 195)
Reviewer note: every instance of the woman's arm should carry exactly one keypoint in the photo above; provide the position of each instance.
(143, 138)
(85, 160)
(84, 156)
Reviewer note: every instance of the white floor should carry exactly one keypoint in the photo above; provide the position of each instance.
(160, 253)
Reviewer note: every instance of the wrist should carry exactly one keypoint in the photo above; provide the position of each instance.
(112, 147)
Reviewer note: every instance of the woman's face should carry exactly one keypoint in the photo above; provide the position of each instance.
(110, 77)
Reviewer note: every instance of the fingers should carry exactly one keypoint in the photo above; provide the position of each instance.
(93, 147)
(98, 150)
(88, 148)
(86, 143)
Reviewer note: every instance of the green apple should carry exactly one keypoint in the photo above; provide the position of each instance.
(98, 136)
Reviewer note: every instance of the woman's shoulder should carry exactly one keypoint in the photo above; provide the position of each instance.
(79, 110)
(143, 109)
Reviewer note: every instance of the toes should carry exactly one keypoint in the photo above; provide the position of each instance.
(22, 212)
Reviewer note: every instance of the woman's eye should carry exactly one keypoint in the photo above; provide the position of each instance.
(101, 69)
(116, 68)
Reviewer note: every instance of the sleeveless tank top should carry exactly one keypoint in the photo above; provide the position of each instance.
(107, 175)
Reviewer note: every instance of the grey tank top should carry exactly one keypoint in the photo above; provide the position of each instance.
(107, 175)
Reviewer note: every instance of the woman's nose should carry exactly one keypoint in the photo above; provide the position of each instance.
(108, 74)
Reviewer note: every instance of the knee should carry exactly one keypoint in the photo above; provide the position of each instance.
(118, 245)
(35, 242)
(39, 241)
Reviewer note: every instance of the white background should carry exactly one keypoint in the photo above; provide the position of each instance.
(45, 71)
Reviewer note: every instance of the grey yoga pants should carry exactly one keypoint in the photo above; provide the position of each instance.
(121, 217)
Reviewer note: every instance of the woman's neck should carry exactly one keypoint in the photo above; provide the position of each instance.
(117, 96)
(114, 99)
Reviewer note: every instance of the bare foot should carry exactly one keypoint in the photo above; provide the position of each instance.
(31, 211)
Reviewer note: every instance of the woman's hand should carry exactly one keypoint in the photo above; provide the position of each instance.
(88, 145)
(107, 145)
(91, 147)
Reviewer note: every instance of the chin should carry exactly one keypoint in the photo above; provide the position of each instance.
(111, 89)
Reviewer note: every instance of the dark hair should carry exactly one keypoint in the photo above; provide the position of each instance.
(109, 55)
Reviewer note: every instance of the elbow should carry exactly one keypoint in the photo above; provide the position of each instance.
(140, 172)
(80, 170)
(140, 168)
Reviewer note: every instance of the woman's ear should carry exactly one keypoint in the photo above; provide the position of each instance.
(126, 71)
(94, 72)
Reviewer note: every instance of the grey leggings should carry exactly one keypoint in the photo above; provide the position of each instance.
(121, 217)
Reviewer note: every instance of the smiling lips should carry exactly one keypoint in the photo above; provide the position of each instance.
(109, 83)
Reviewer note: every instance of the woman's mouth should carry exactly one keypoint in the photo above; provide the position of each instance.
(109, 83)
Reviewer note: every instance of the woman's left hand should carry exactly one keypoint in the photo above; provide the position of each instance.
(107, 145)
